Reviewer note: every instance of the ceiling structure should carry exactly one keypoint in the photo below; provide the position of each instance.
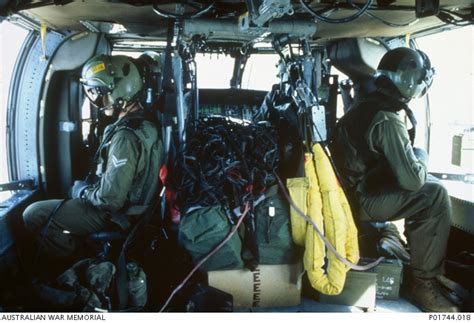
(245, 22)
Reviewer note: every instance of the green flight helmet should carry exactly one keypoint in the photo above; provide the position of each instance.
(111, 81)
(408, 70)
(151, 64)
(153, 60)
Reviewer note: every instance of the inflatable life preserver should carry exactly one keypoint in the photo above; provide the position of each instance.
(320, 196)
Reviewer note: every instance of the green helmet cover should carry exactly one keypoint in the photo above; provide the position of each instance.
(116, 77)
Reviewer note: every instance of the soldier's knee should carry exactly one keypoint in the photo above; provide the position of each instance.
(29, 218)
(436, 191)
(35, 215)
(442, 195)
(440, 200)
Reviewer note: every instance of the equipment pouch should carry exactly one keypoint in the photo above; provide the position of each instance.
(201, 230)
(273, 237)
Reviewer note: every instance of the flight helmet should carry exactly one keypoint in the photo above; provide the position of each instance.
(406, 69)
(111, 81)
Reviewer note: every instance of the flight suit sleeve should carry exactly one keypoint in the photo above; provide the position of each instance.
(390, 137)
(111, 192)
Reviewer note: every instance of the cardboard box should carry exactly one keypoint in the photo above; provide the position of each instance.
(359, 290)
(267, 286)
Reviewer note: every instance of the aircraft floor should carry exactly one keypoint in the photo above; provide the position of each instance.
(382, 306)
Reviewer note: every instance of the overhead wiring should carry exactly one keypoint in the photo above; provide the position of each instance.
(444, 15)
(392, 24)
(323, 18)
(175, 15)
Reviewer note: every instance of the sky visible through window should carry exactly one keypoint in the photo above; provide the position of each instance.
(451, 98)
(11, 39)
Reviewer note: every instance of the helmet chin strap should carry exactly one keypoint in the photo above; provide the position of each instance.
(118, 108)
(124, 106)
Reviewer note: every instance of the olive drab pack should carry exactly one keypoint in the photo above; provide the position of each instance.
(201, 230)
(274, 241)
(226, 165)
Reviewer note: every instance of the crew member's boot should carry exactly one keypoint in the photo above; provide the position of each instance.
(427, 294)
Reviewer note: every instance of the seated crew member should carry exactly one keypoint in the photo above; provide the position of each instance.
(387, 179)
(127, 163)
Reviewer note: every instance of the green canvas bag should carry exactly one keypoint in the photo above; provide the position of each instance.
(273, 229)
(203, 229)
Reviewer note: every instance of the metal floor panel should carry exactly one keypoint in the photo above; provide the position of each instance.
(382, 306)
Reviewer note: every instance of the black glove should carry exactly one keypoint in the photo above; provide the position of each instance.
(78, 188)
(421, 154)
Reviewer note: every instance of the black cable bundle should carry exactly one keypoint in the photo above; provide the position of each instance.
(226, 163)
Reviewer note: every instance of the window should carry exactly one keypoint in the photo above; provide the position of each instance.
(261, 72)
(451, 109)
(11, 39)
(451, 100)
(215, 71)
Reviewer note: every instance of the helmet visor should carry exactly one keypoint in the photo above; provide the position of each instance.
(426, 78)
(424, 82)
(96, 94)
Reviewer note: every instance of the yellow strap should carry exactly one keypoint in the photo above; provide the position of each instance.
(407, 40)
(43, 31)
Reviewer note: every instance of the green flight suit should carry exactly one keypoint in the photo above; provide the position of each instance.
(130, 154)
(387, 181)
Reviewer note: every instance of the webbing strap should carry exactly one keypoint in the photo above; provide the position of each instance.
(411, 117)
(121, 281)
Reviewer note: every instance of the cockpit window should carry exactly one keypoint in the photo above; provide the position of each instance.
(261, 72)
(215, 71)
